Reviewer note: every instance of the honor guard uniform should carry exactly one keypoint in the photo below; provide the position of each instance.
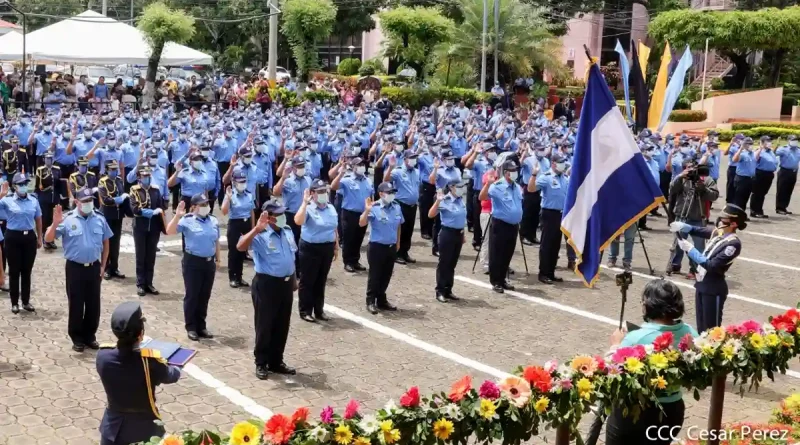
(451, 206)
(200, 232)
(273, 256)
(114, 206)
(130, 376)
(22, 238)
(15, 160)
(238, 205)
(82, 179)
(722, 248)
(148, 204)
(50, 191)
(384, 218)
(506, 198)
(85, 233)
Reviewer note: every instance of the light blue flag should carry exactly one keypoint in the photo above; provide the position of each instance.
(611, 186)
(625, 67)
(675, 86)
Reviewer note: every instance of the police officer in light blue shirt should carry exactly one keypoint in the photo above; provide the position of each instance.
(789, 157)
(82, 146)
(200, 231)
(238, 205)
(85, 235)
(404, 175)
(745, 173)
(295, 180)
(506, 198)
(319, 247)
(534, 162)
(193, 180)
(441, 176)
(554, 185)
(244, 163)
(451, 206)
(354, 187)
(158, 176)
(730, 185)
(766, 165)
(384, 219)
(274, 250)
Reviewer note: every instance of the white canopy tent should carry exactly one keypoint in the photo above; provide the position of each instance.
(91, 38)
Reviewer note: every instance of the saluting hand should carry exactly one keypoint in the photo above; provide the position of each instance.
(439, 195)
(58, 214)
(228, 191)
(181, 210)
(368, 203)
(4, 189)
(307, 196)
(263, 222)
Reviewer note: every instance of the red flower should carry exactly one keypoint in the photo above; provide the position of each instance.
(601, 364)
(460, 389)
(663, 342)
(351, 410)
(411, 398)
(300, 415)
(793, 315)
(785, 323)
(279, 429)
(538, 378)
(489, 390)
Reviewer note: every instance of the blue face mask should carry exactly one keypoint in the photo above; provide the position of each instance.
(82, 169)
(113, 173)
(145, 181)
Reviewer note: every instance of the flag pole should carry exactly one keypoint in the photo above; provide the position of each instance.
(703, 90)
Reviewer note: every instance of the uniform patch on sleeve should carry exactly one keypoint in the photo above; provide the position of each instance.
(730, 250)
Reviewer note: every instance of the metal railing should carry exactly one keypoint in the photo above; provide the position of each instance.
(722, 5)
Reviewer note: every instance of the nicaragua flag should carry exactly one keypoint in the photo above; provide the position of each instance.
(610, 186)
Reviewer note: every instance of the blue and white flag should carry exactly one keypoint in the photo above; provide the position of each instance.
(610, 186)
(675, 86)
(625, 68)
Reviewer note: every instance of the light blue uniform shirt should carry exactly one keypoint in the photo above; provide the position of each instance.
(42, 141)
(23, 132)
(767, 161)
(479, 167)
(453, 212)
(131, 152)
(158, 178)
(732, 151)
(263, 165)
(677, 164)
(224, 149)
(61, 156)
(81, 147)
(354, 191)
(194, 181)
(554, 190)
(406, 181)
(179, 149)
(314, 161)
(660, 156)
(293, 189)
(444, 175)
(83, 236)
(21, 212)
(747, 164)
(200, 234)
(459, 146)
(528, 166)
(107, 154)
(425, 165)
(383, 223)
(273, 252)
(506, 201)
(789, 157)
(653, 165)
(241, 205)
(320, 225)
(251, 171)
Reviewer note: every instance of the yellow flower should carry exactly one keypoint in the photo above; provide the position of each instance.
(442, 429)
(487, 409)
(585, 388)
(171, 440)
(361, 440)
(392, 436)
(658, 383)
(245, 433)
(343, 435)
(634, 365)
(792, 402)
(658, 361)
(757, 341)
(541, 405)
(386, 426)
(672, 355)
(773, 340)
(707, 350)
(727, 352)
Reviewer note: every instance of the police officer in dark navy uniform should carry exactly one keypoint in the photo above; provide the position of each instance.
(15, 160)
(81, 179)
(147, 205)
(85, 233)
(201, 258)
(274, 251)
(721, 250)
(130, 376)
(50, 189)
(114, 206)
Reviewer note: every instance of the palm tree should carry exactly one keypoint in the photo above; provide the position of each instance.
(526, 41)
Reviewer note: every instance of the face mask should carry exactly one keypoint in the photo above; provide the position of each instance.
(82, 169)
(411, 163)
(247, 160)
(145, 181)
(48, 162)
(561, 166)
(300, 172)
(203, 211)
(491, 156)
(205, 153)
(181, 137)
(360, 170)
(513, 176)
(87, 134)
(322, 198)
(280, 220)
(113, 173)
(197, 164)
(449, 163)
(261, 148)
(768, 145)
(686, 151)
(459, 192)
(152, 161)
(67, 135)
(87, 207)
(387, 198)
(22, 189)
(240, 187)
(793, 143)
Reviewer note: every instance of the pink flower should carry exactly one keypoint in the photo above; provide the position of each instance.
(601, 364)
(551, 366)
(686, 343)
(622, 354)
(489, 390)
(564, 384)
(351, 410)
(751, 326)
(411, 398)
(326, 416)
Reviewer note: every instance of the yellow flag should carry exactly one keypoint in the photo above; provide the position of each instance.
(589, 65)
(657, 99)
(644, 54)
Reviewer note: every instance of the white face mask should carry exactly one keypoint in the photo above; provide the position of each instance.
(280, 220)
(247, 160)
(388, 198)
(561, 166)
(322, 198)
(513, 176)
(449, 162)
(412, 163)
(491, 156)
(197, 164)
(205, 153)
(300, 172)
(203, 211)
(154, 161)
(240, 187)
(87, 207)
(360, 170)
(459, 191)
(793, 143)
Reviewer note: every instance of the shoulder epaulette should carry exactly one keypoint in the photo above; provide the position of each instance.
(136, 187)
(151, 353)
(90, 173)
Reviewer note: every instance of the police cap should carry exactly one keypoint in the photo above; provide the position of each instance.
(84, 194)
(196, 156)
(111, 164)
(239, 175)
(410, 154)
(318, 184)
(21, 178)
(792, 137)
(273, 207)
(127, 320)
(200, 198)
(765, 138)
(734, 212)
(83, 160)
(387, 187)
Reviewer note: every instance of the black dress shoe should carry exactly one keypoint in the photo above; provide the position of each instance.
(308, 318)
(322, 317)
(205, 334)
(107, 276)
(556, 279)
(243, 283)
(545, 280)
(29, 307)
(282, 369)
(452, 296)
(409, 260)
(77, 347)
(14, 309)
(372, 309)
(440, 298)
(261, 372)
(151, 290)
(359, 267)
(656, 213)
(535, 240)
(140, 291)
(349, 268)
(765, 216)
(387, 307)
(498, 288)
(425, 236)
(527, 242)
(234, 284)
(571, 265)
(400, 260)
(192, 335)
(118, 274)
(247, 257)
(507, 286)
(435, 253)
(781, 212)
(93, 345)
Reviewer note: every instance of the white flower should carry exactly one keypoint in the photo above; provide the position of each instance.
(452, 411)
(566, 372)
(649, 348)
(551, 366)
(690, 356)
(390, 406)
(369, 424)
(319, 434)
(701, 341)
(768, 328)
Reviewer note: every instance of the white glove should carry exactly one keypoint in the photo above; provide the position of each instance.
(685, 245)
(676, 227)
(94, 190)
(124, 196)
(157, 211)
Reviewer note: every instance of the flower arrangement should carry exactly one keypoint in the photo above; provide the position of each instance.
(517, 407)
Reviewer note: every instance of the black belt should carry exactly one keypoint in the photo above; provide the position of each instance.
(191, 255)
(553, 210)
(24, 232)
(84, 264)
(452, 229)
(264, 275)
(129, 410)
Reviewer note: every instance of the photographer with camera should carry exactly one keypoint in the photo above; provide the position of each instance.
(688, 195)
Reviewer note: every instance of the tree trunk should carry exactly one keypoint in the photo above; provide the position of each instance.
(742, 67)
(149, 92)
(775, 69)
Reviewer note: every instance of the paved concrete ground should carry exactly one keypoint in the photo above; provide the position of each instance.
(52, 394)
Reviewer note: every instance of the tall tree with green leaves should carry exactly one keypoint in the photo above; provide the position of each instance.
(161, 25)
(414, 34)
(61, 8)
(306, 22)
